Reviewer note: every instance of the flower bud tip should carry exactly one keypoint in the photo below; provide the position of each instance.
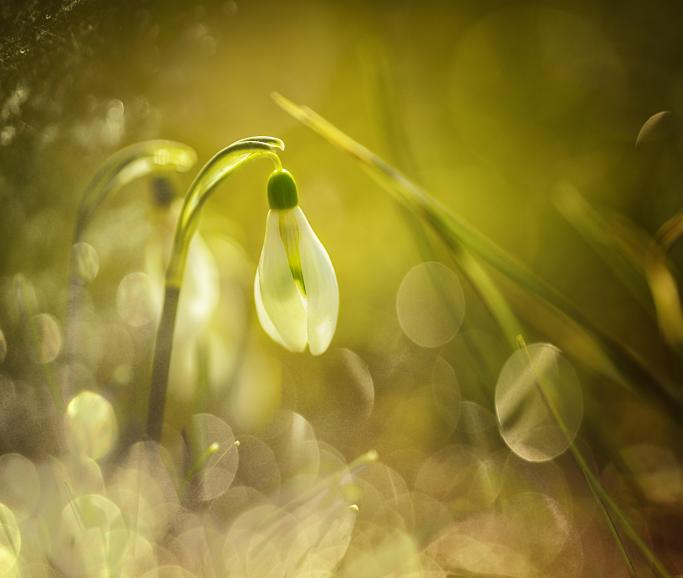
(282, 191)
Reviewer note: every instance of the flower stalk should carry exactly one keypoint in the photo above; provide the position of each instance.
(222, 165)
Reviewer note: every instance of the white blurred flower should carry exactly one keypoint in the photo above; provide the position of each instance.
(295, 289)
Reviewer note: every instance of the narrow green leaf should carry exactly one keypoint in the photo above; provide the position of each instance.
(632, 370)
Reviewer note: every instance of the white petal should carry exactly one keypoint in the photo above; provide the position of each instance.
(282, 302)
(322, 291)
(262, 314)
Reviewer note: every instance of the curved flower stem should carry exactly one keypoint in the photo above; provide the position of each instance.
(132, 162)
(223, 164)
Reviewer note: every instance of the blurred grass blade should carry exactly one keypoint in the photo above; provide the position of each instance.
(638, 260)
(575, 339)
(652, 259)
(452, 229)
(670, 231)
(607, 505)
(579, 459)
(398, 144)
(595, 230)
(667, 298)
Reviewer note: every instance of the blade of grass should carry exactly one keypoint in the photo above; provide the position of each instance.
(448, 226)
(666, 297)
(650, 256)
(398, 144)
(637, 259)
(580, 461)
(590, 224)
(670, 231)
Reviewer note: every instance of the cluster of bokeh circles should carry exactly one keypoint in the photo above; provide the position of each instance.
(499, 497)
(425, 442)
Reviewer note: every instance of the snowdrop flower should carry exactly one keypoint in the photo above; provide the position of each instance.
(295, 289)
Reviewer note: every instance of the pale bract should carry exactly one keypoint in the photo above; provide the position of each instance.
(295, 289)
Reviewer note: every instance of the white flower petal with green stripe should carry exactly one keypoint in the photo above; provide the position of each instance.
(295, 288)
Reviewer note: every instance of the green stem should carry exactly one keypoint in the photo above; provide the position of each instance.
(201, 398)
(223, 164)
(162, 362)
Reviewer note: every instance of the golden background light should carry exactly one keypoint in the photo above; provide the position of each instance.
(498, 189)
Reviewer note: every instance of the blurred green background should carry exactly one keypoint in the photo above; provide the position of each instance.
(494, 107)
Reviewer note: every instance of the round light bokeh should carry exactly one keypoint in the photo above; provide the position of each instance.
(85, 261)
(539, 402)
(135, 300)
(10, 541)
(90, 425)
(3, 346)
(430, 304)
(46, 337)
(216, 455)
(19, 484)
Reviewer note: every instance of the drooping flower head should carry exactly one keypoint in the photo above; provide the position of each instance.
(295, 289)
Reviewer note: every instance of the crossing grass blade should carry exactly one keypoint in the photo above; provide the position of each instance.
(633, 371)
(640, 261)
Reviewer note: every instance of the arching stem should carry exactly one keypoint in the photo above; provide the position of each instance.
(130, 163)
(223, 164)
